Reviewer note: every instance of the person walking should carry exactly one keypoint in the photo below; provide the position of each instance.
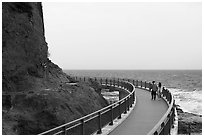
(154, 90)
(159, 90)
(150, 89)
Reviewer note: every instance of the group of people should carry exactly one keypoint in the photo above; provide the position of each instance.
(156, 90)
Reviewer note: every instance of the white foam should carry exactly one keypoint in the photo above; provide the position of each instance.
(114, 93)
(189, 101)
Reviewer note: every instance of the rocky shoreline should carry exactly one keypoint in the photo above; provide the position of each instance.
(189, 123)
(111, 97)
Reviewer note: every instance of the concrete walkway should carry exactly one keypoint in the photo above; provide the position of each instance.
(144, 117)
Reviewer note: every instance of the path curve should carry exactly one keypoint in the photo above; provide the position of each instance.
(144, 117)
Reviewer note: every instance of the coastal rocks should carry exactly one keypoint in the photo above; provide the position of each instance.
(111, 97)
(189, 123)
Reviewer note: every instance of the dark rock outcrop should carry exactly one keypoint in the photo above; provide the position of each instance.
(24, 50)
(189, 123)
(36, 93)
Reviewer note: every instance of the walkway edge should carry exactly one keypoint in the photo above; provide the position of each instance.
(108, 129)
(174, 129)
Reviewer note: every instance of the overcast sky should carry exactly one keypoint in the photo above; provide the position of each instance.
(124, 35)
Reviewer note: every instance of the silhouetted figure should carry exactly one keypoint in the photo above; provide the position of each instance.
(150, 89)
(154, 90)
(159, 89)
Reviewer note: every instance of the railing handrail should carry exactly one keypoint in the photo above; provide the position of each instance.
(164, 118)
(96, 112)
(157, 129)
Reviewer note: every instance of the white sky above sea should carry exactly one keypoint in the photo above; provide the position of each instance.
(124, 35)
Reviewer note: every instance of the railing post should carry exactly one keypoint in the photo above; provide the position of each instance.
(84, 79)
(172, 116)
(82, 126)
(119, 117)
(141, 83)
(155, 133)
(65, 131)
(99, 123)
(133, 96)
(101, 81)
(128, 103)
(163, 92)
(125, 106)
(136, 83)
(163, 129)
(174, 111)
(111, 122)
(168, 125)
(168, 97)
(131, 100)
(145, 85)
(133, 82)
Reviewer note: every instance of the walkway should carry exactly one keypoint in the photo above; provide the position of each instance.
(144, 117)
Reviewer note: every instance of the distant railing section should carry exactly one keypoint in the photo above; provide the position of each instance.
(94, 122)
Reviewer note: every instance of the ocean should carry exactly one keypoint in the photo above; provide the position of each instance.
(186, 85)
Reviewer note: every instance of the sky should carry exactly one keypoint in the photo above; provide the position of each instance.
(124, 35)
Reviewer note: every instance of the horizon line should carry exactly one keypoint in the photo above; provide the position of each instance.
(131, 69)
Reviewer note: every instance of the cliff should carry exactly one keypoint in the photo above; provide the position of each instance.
(36, 94)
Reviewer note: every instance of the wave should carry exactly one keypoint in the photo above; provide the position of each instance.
(189, 101)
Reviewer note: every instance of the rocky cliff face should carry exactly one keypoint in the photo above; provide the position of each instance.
(36, 93)
(23, 44)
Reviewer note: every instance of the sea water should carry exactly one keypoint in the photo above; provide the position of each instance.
(186, 85)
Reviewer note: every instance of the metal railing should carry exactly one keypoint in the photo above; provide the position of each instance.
(94, 122)
(106, 115)
(163, 127)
